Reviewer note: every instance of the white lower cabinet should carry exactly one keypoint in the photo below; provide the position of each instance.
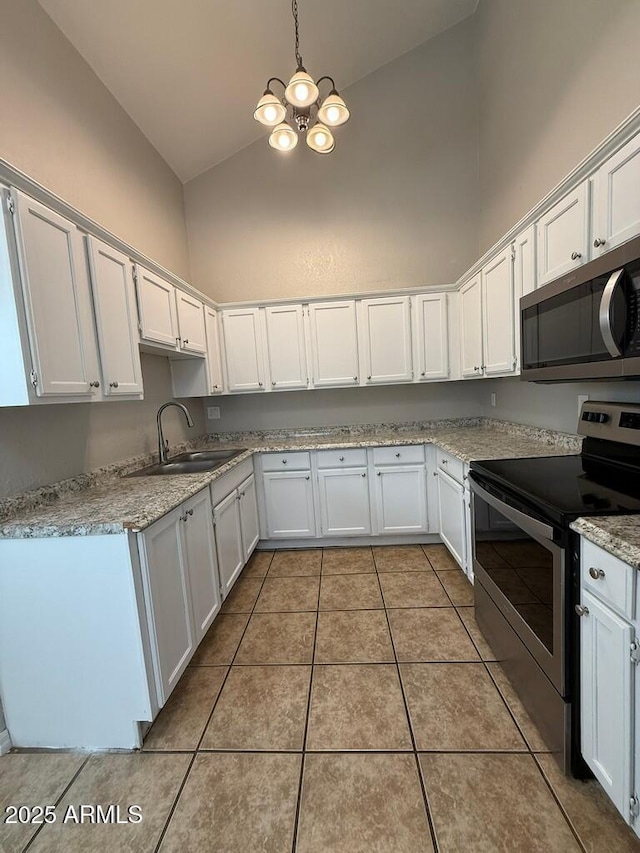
(249, 527)
(289, 505)
(453, 512)
(608, 715)
(166, 547)
(344, 502)
(400, 495)
(226, 520)
(200, 552)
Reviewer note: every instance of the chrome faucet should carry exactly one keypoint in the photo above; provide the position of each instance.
(163, 445)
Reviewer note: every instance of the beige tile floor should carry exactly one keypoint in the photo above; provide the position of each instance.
(344, 700)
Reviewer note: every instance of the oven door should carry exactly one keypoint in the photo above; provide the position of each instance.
(522, 569)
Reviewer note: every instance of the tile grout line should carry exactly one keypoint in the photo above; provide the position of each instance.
(559, 802)
(196, 750)
(296, 819)
(423, 787)
(57, 803)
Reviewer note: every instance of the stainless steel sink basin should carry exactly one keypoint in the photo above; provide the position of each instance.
(194, 462)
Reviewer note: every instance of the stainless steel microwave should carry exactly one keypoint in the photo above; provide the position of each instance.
(586, 324)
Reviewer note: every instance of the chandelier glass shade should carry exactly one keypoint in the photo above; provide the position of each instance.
(301, 108)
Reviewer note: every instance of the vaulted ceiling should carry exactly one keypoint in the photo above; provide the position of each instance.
(189, 72)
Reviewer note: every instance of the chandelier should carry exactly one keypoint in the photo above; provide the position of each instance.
(302, 98)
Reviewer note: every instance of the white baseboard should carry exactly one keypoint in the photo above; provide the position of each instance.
(5, 742)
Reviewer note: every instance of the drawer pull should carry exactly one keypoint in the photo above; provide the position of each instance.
(596, 573)
(342, 459)
(575, 255)
(397, 456)
(284, 461)
(364, 475)
(582, 610)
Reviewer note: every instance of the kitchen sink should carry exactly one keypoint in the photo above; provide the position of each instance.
(193, 462)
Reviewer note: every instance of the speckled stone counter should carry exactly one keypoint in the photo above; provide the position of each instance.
(104, 502)
(617, 534)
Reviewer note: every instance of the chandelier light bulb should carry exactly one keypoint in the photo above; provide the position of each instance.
(333, 111)
(283, 137)
(320, 139)
(301, 91)
(269, 110)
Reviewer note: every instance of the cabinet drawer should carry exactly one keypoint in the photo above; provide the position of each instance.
(342, 458)
(453, 466)
(286, 461)
(616, 584)
(410, 454)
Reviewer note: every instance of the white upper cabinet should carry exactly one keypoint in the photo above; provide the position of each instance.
(334, 343)
(243, 349)
(471, 323)
(114, 302)
(525, 261)
(431, 336)
(616, 204)
(562, 235)
(498, 315)
(386, 340)
(57, 301)
(157, 309)
(286, 346)
(191, 323)
(215, 384)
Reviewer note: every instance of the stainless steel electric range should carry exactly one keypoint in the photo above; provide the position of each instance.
(526, 561)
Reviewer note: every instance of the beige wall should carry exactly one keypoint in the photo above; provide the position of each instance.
(344, 406)
(42, 444)
(395, 205)
(554, 78)
(62, 127)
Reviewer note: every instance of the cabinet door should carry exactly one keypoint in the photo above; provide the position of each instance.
(214, 362)
(344, 502)
(432, 336)
(191, 323)
(498, 315)
(226, 517)
(114, 301)
(286, 347)
(200, 551)
(386, 340)
(401, 499)
(57, 301)
(248, 516)
(288, 497)
(605, 699)
(169, 601)
(243, 349)
(525, 262)
(617, 199)
(471, 323)
(157, 309)
(334, 343)
(562, 235)
(452, 516)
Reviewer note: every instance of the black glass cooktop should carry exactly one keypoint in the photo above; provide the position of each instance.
(566, 486)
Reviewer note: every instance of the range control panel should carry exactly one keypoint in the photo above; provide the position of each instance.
(611, 421)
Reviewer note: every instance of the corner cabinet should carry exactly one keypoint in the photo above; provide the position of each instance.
(472, 324)
(616, 200)
(609, 687)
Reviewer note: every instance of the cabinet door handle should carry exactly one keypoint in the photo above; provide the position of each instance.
(273, 382)
(95, 384)
(189, 512)
(397, 456)
(368, 379)
(596, 573)
(259, 384)
(307, 477)
(185, 341)
(379, 473)
(183, 517)
(112, 385)
(355, 378)
(284, 461)
(582, 610)
(598, 242)
(424, 373)
(177, 342)
(364, 475)
(575, 255)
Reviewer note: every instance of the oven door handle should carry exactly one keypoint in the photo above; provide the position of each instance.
(526, 522)
(604, 315)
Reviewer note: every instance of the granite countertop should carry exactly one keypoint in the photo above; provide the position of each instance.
(617, 534)
(104, 502)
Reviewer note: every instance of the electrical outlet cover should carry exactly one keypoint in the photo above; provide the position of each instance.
(213, 413)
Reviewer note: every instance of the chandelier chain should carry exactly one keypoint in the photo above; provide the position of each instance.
(294, 9)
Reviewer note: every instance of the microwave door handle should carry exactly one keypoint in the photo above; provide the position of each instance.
(605, 318)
